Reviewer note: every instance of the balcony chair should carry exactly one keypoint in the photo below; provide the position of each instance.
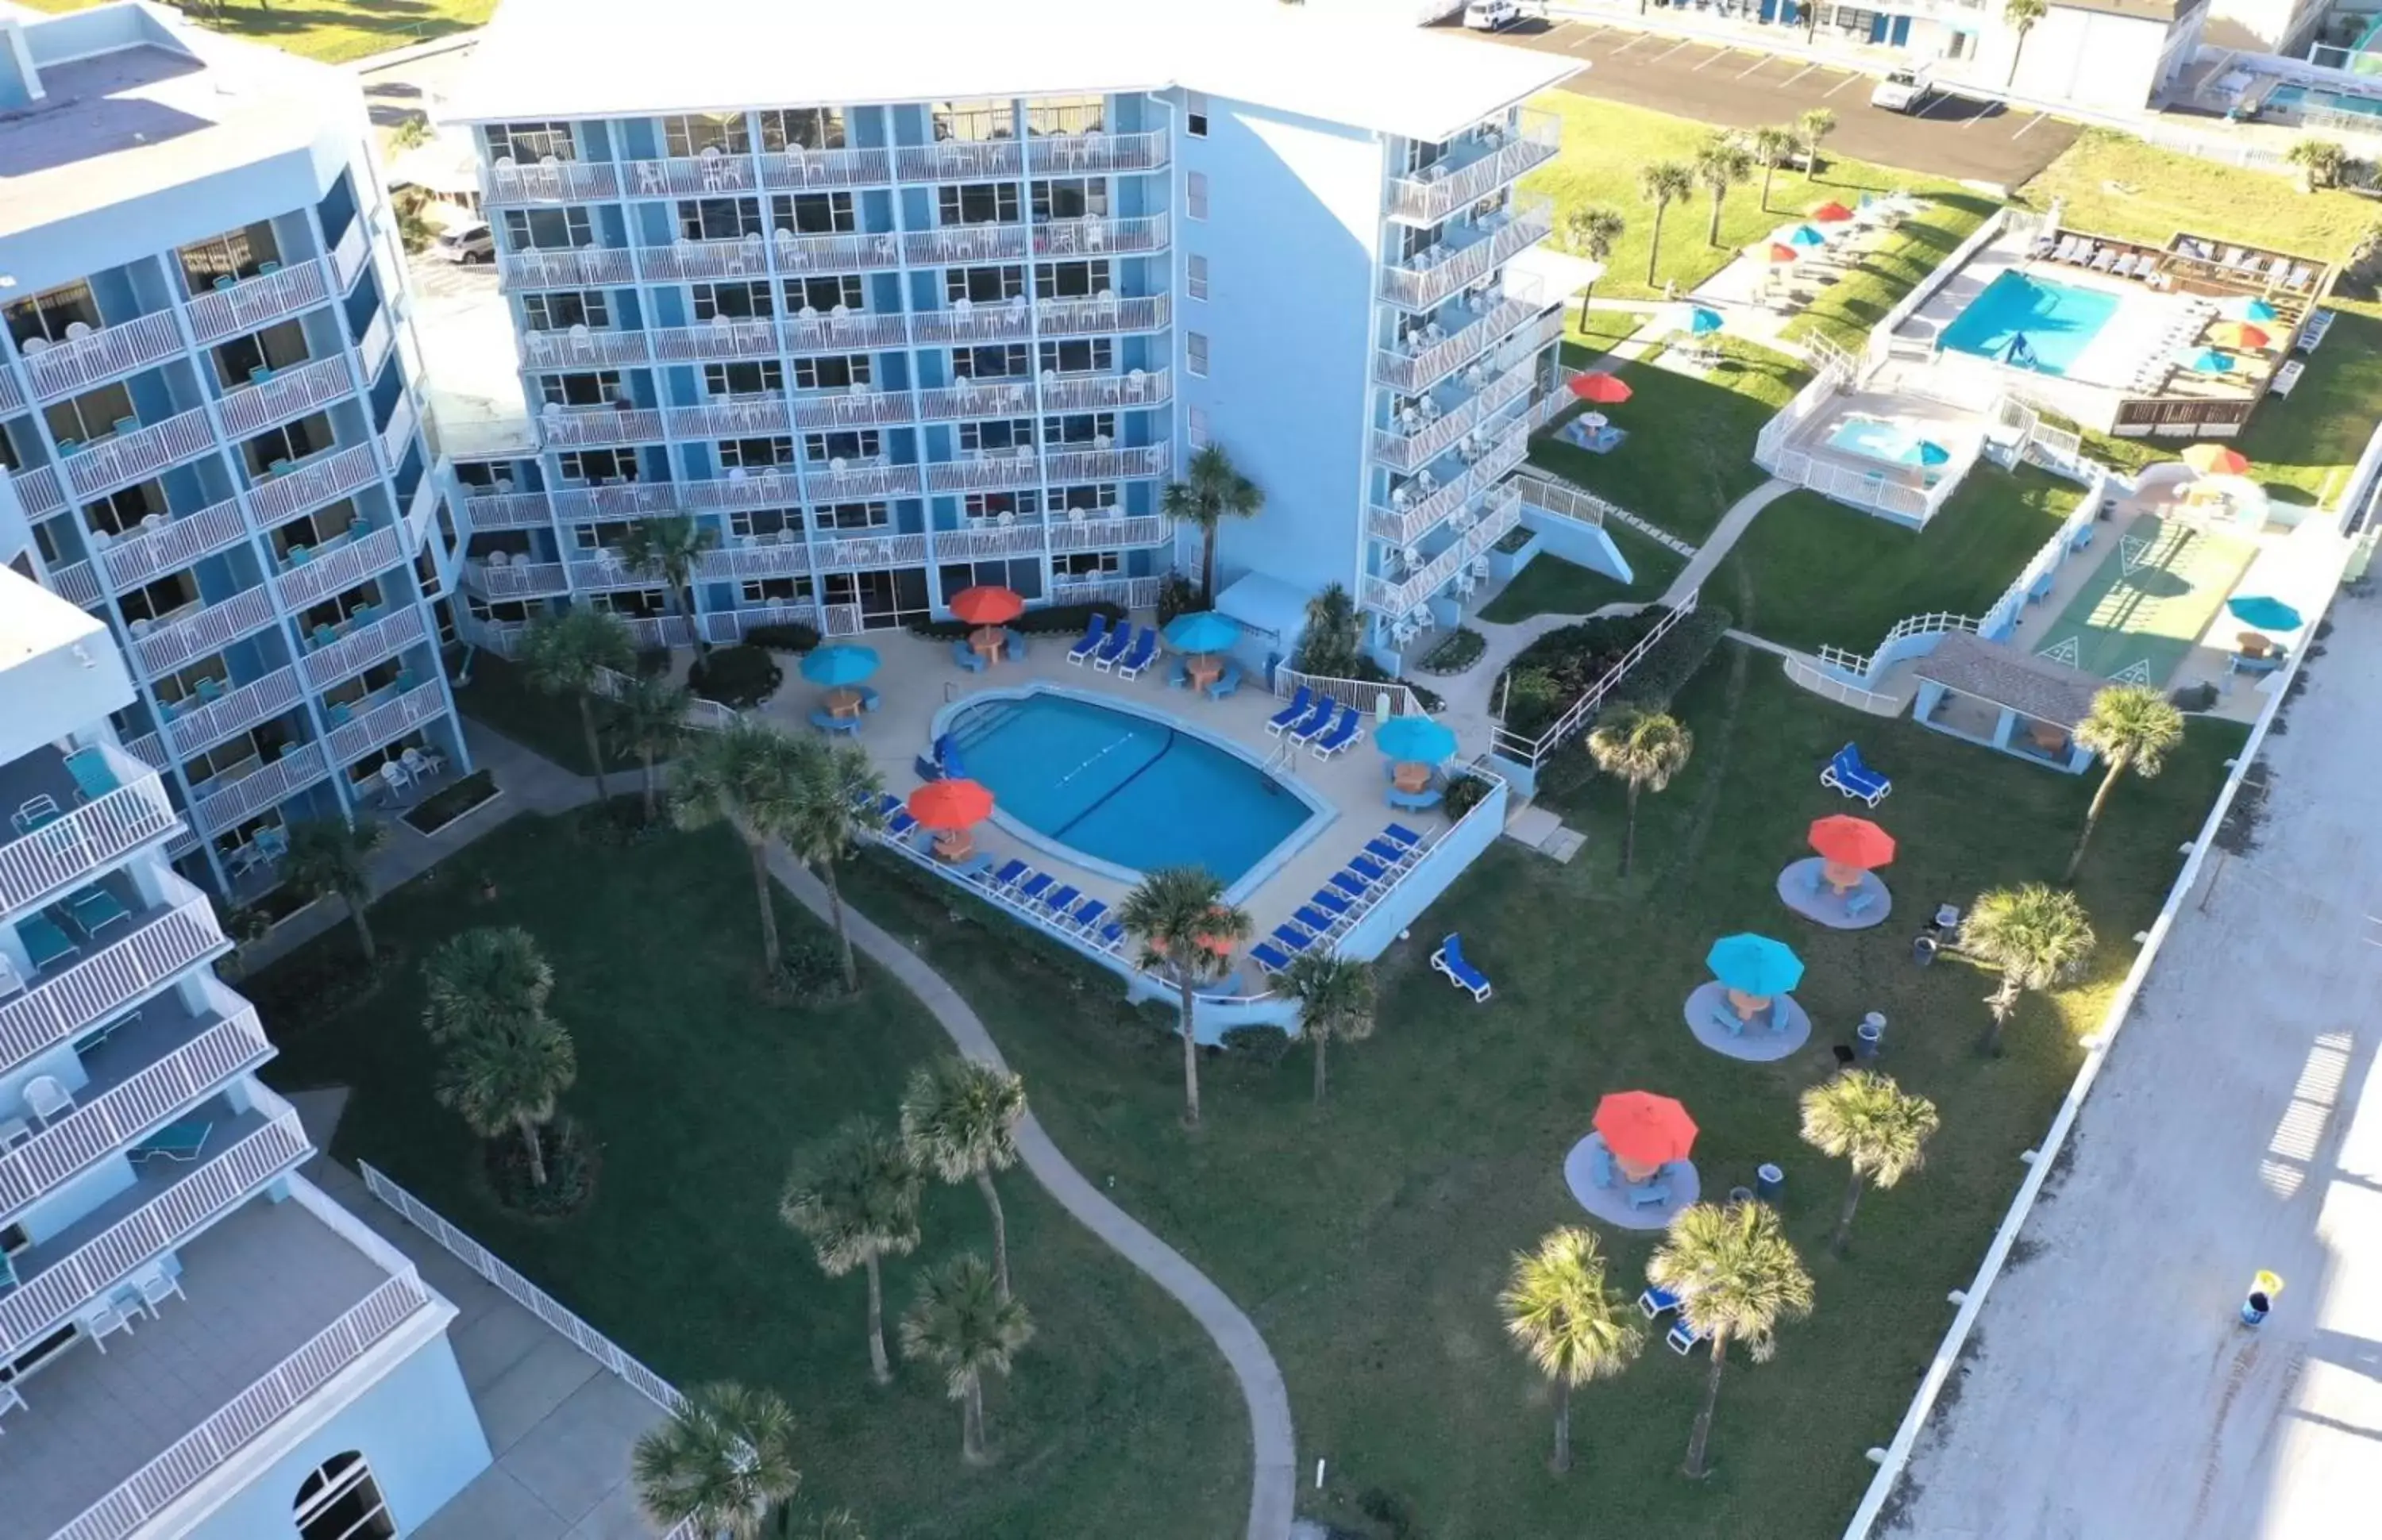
(96, 909)
(103, 1322)
(155, 1286)
(183, 1142)
(46, 1099)
(45, 941)
(34, 812)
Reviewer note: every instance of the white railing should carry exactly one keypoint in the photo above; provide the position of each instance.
(209, 629)
(836, 253)
(1815, 679)
(1415, 372)
(599, 427)
(770, 489)
(398, 437)
(1098, 152)
(566, 267)
(244, 707)
(1097, 238)
(804, 169)
(1431, 275)
(1132, 592)
(39, 491)
(627, 500)
(1363, 695)
(1864, 668)
(985, 473)
(1403, 597)
(685, 259)
(854, 409)
(551, 181)
(592, 346)
(1404, 526)
(1071, 533)
(205, 1449)
(960, 160)
(742, 338)
(1427, 199)
(256, 302)
(1109, 391)
(649, 632)
(786, 557)
(730, 625)
(1534, 751)
(507, 510)
(378, 338)
(965, 243)
(764, 417)
(281, 496)
(821, 333)
(350, 256)
(869, 550)
(714, 172)
(1862, 489)
(150, 750)
(1098, 317)
(1108, 465)
(1002, 398)
(177, 543)
(140, 454)
(10, 396)
(325, 666)
(57, 855)
(80, 362)
(519, 580)
(861, 482)
(605, 570)
(252, 408)
(387, 722)
(336, 569)
(63, 1008)
(78, 585)
(1011, 322)
(299, 768)
(1410, 451)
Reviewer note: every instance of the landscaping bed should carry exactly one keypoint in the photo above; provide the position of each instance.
(1456, 654)
(447, 803)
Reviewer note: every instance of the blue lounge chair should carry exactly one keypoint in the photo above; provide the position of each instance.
(1292, 715)
(1350, 884)
(1113, 934)
(1682, 1337)
(96, 909)
(1329, 902)
(1846, 772)
(1367, 868)
(45, 941)
(92, 777)
(1389, 853)
(1008, 875)
(1657, 1302)
(1600, 1169)
(182, 1141)
(1268, 959)
(1293, 938)
(1087, 914)
(1225, 682)
(1317, 720)
(1033, 887)
(1114, 647)
(1449, 959)
(1059, 901)
(965, 656)
(1401, 835)
(969, 868)
(902, 826)
(1145, 647)
(888, 804)
(1650, 1194)
(1094, 634)
(1343, 733)
(1314, 918)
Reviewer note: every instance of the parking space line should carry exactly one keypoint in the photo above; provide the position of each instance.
(1635, 38)
(1797, 76)
(1714, 59)
(1931, 104)
(1668, 52)
(1841, 84)
(2031, 125)
(1761, 62)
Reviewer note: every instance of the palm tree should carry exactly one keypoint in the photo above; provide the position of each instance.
(2036, 936)
(1662, 183)
(965, 1325)
(330, 859)
(648, 719)
(668, 547)
(1737, 1278)
(1722, 162)
(1771, 147)
(960, 1119)
(1179, 915)
(1335, 1000)
(486, 978)
(1812, 126)
(1864, 1117)
(2019, 16)
(2321, 161)
(1327, 646)
(854, 1198)
(1212, 492)
(750, 778)
(509, 1075)
(2131, 726)
(1592, 231)
(1640, 749)
(836, 787)
(725, 1460)
(1574, 1328)
(567, 654)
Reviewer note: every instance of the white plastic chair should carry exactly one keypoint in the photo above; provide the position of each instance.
(393, 775)
(156, 1287)
(103, 1322)
(46, 1099)
(417, 765)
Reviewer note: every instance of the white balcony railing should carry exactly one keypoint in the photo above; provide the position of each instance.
(965, 323)
(1072, 533)
(859, 483)
(987, 398)
(229, 805)
(696, 260)
(256, 302)
(768, 489)
(378, 340)
(1098, 152)
(350, 256)
(281, 496)
(62, 1008)
(581, 345)
(1384, 596)
(1403, 451)
(605, 571)
(596, 427)
(724, 337)
(1440, 190)
(1099, 317)
(763, 417)
(790, 169)
(965, 243)
(279, 396)
(60, 854)
(207, 629)
(869, 550)
(650, 632)
(358, 651)
(10, 396)
(507, 510)
(335, 569)
(396, 438)
(39, 491)
(1108, 465)
(960, 160)
(622, 500)
(1430, 277)
(99, 1125)
(1403, 525)
(78, 584)
(783, 556)
(799, 253)
(730, 625)
(565, 268)
(519, 580)
(713, 171)
(808, 333)
(387, 722)
(1108, 392)
(856, 408)
(1100, 237)
(80, 362)
(551, 181)
(986, 473)
(1427, 363)
(252, 702)
(139, 453)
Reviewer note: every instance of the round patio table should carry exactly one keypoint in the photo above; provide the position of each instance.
(843, 702)
(987, 641)
(1204, 671)
(1410, 776)
(1841, 878)
(955, 844)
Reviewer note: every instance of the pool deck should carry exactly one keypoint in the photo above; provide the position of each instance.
(1956, 430)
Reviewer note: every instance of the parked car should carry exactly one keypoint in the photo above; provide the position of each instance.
(465, 244)
(1907, 88)
(1495, 16)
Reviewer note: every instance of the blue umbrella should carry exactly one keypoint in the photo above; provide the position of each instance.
(1704, 323)
(1754, 964)
(839, 666)
(1807, 235)
(2250, 307)
(1416, 740)
(1201, 631)
(2208, 360)
(2265, 614)
(1926, 451)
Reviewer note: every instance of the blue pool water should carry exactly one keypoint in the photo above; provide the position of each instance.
(2329, 101)
(1123, 788)
(2058, 321)
(1874, 438)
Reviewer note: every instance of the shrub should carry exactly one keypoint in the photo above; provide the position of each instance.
(740, 677)
(1531, 699)
(617, 823)
(788, 636)
(1047, 620)
(569, 1170)
(1456, 654)
(447, 803)
(1515, 539)
(1463, 794)
(1672, 661)
(2195, 697)
(811, 971)
(1177, 595)
(1259, 1043)
(1327, 646)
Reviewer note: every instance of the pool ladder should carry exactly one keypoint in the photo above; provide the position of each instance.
(1285, 758)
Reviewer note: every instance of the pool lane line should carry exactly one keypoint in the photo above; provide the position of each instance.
(1172, 735)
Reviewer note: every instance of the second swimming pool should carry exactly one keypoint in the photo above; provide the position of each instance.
(2056, 321)
(1126, 789)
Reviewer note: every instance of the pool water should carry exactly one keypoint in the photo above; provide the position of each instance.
(1123, 788)
(1874, 438)
(2328, 100)
(2058, 322)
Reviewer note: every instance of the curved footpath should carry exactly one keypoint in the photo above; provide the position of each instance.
(1273, 1481)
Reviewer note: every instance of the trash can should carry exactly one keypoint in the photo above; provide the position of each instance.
(1922, 950)
(1768, 1182)
(1738, 1194)
(1870, 1037)
(2255, 1308)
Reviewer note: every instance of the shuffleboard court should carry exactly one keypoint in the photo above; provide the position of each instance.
(2147, 603)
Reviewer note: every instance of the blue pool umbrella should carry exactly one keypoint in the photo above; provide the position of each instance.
(1704, 323)
(2265, 614)
(1416, 740)
(1754, 964)
(2248, 307)
(839, 665)
(1926, 451)
(2208, 360)
(1201, 631)
(1807, 235)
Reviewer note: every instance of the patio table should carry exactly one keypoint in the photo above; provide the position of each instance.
(986, 640)
(1204, 671)
(843, 702)
(1410, 776)
(954, 845)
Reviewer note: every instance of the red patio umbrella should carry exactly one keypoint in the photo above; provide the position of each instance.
(1832, 212)
(987, 606)
(1780, 251)
(1643, 1128)
(2215, 460)
(952, 804)
(1601, 389)
(1849, 841)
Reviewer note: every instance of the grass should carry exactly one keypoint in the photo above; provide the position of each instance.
(1120, 1418)
(1605, 145)
(1550, 585)
(1606, 330)
(499, 695)
(1369, 1241)
(1822, 573)
(1846, 310)
(331, 30)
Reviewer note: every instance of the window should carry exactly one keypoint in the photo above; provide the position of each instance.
(1195, 114)
(1194, 275)
(831, 371)
(718, 218)
(823, 449)
(1080, 430)
(852, 515)
(755, 454)
(92, 415)
(548, 229)
(597, 537)
(983, 285)
(825, 294)
(598, 466)
(119, 511)
(1195, 353)
(1085, 356)
(48, 315)
(1072, 197)
(1195, 194)
(341, 1501)
(528, 144)
(802, 128)
(763, 378)
(762, 523)
(563, 309)
(292, 441)
(590, 387)
(233, 255)
(737, 302)
(1195, 426)
(1091, 498)
(977, 204)
(813, 213)
(641, 603)
(692, 133)
(998, 435)
(1066, 115)
(1000, 505)
(990, 364)
(1072, 280)
(1088, 564)
(776, 591)
(973, 120)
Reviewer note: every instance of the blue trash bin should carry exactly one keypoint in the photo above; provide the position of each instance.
(1768, 1182)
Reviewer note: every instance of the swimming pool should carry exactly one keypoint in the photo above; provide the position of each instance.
(2058, 322)
(1874, 438)
(1126, 790)
(2301, 98)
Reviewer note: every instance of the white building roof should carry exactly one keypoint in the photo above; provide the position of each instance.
(33, 621)
(594, 58)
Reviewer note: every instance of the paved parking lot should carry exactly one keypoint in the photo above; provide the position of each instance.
(1742, 88)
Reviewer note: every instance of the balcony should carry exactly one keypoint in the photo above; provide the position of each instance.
(111, 352)
(1432, 431)
(1103, 317)
(793, 170)
(766, 489)
(959, 160)
(761, 417)
(1402, 596)
(282, 495)
(859, 483)
(62, 1002)
(868, 550)
(518, 580)
(1432, 274)
(284, 395)
(695, 259)
(581, 346)
(257, 302)
(336, 566)
(200, 629)
(397, 435)
(84, 838)
(604, 571)
(728, 626)
(1080, 529)
(576, 267)
(138, 454)
(1479, 166)
(619, 500)
(988, 472)
(966, 322)
(954, 245)
(242, 792)
(1108, 465)
(358, 650)
(1422, 362)
(691, 175)
(549, 181)
(854, 409)
(167, 544)
(599, 427)
(781, 555)
(378, 340)
(211, 722)
(1080, 532)
(1096, 152)
(945, 403)
(78, 585)
(1100, 237)
(10, 396)
(507, 510)
(385, 721)
(1412, 514)
(350, 256)
(1108, 392)
(652, 632)
(39, 492)
(843, 253)
(845, 331)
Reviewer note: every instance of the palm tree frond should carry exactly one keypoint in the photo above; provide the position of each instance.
(960, 1117)
(1734, 1270)
(1867, 1120)
(854, 1197)
(960, 1325)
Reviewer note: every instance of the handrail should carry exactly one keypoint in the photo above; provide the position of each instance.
(1534, 751)
(1364, 695)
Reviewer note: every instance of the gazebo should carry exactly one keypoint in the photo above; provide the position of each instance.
(1993, 693)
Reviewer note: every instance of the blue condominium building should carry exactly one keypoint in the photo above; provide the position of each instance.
(211, 435)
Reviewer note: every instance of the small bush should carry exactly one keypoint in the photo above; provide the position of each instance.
(739, 677)
(809, 973)
(1260, 1045)
(617, 823)
(1678, 657)
(791, 636)
(1177, 595)
(2193, 697)
(447, 803)
(1456, 654)
(570, 1161)
(1463, 794)
(1531, 699)
(1047, 620)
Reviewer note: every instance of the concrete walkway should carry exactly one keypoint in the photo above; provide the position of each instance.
(1724, 538)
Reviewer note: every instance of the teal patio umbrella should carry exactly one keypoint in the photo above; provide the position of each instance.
(839, 666)
(1202, 631)
(2265, 614)
(1415, 739)
(1807, 235)
(2248, 307)
(1754, 964)
(1926, 451)
(1702, 322)
(2208, 360)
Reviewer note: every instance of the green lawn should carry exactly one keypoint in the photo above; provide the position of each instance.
(1605, 145)
(1822, 573)
(1120, 1419)
(1847, 311)
(1550, 585)
(1369, 1242)
(501, 696)
(331, 30)
(2114, 184)
(1606, 330)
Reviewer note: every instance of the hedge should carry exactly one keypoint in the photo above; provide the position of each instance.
(1672, 661)
(791, 636)
(1047, 620)
(740, 677)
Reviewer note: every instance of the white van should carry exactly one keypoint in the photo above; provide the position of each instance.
(1907, 88)
(1491, 15)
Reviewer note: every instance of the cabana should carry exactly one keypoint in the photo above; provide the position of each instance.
(1993, 693)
